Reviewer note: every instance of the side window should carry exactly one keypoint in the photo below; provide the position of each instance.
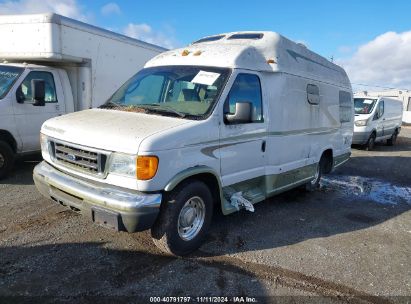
(50, 89)
(409, 104)
(346, 105)
(313, 94)
(246, 88)
(381, 108)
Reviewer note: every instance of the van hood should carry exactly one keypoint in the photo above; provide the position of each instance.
(110, 130)
(361, 116)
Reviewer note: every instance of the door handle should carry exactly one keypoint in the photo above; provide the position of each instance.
(263, 146)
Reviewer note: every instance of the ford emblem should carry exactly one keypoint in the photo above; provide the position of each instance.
(71, 157)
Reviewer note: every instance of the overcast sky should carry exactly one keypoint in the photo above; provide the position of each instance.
(370, 39)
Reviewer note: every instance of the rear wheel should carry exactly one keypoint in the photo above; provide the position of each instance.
(391, 141)
(6, 159)
(370, 143)
(184, 219)
(314, 184)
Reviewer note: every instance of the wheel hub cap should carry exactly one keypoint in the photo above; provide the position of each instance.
(317, 173)
(191, 218)
(188, 216)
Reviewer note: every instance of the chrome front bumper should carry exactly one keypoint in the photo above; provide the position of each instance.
(110, 206)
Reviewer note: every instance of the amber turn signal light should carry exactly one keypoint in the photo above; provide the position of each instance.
(146, 167)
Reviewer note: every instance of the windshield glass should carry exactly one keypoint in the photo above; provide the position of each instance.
(8, 75)
(364, 105)
(185, 91)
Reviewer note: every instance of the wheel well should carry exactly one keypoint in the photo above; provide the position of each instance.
(327, 161)
(8, 138)
(211, 181)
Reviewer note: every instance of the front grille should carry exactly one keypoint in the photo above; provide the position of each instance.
(79, 158)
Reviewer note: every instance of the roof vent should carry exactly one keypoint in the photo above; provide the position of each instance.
(209, 39)
(250, 36)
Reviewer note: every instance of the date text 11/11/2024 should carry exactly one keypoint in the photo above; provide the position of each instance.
(208, 299)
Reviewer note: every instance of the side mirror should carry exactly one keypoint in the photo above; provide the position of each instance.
(20, 96)
(242, 113)
(38, 88)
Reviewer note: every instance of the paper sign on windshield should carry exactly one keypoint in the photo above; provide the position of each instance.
(206, 78)
(368, 101)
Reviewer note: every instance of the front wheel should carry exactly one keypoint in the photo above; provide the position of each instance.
(184, 219)
(6, 159)
(370, 143)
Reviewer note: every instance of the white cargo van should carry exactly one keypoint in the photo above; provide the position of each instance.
(402, 95)
(224, 123)
(51, 65)
(376, 119)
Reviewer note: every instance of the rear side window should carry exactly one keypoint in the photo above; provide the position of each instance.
(346, 105)
(246, 88)
(313, 94)
(409, 104)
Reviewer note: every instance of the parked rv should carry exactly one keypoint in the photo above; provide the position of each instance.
(225, 123)
(376, 119)
(54, 65)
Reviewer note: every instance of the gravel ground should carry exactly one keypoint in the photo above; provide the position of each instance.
(349, 241)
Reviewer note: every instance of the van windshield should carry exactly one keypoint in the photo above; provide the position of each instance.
(184, 91)
(364, 105)
(8, 75)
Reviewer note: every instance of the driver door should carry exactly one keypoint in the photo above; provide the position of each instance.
(242, 145)
(378, 116)
(29, 118)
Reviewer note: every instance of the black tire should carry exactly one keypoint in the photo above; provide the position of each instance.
(165, 231)
(6, 159)
(315, 183)
(391, 141)
(370, 143)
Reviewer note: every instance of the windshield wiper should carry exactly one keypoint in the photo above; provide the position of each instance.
(110, 104)
(161, 108)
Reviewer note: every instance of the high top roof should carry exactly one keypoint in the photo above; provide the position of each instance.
(258, 51)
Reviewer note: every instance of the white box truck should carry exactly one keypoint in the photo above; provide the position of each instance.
(51, 65)
(225, 123)
(376, 119)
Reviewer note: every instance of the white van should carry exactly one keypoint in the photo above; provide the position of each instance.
(376, 119)
(53, 65)
(224, 123)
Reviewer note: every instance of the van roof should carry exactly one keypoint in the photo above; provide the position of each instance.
(379, 97)
(255, 50)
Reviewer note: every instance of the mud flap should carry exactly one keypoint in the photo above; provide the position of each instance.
(237, 200)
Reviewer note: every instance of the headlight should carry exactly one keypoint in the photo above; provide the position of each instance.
(44, 144)
(361, 123)
(123, 164)
(141, 167)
